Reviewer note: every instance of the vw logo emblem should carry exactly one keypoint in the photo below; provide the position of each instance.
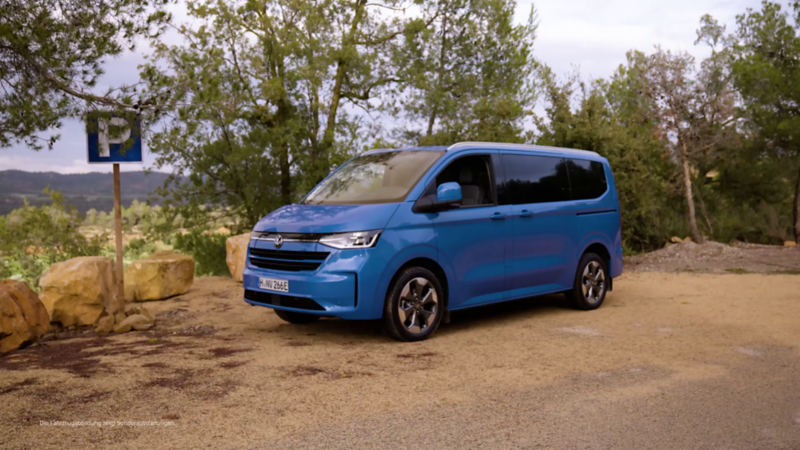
(278, 241)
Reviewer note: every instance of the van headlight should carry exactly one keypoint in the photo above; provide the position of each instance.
(355, 239)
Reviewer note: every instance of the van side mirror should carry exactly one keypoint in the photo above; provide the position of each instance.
(448, 196)
(449, 192)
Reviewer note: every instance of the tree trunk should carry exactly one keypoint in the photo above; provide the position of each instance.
(797, 211)
(286, 177)
(321, 157)
(440, 76)
(687, 187)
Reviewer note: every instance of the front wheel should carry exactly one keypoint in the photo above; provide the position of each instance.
(414, 305)
(591, 283)
(295, 317)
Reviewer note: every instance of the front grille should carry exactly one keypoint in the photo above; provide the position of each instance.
(282, 300)
(286, 260)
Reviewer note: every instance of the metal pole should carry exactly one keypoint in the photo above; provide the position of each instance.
(118, 233)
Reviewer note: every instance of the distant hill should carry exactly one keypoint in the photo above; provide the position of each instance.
(84, 190)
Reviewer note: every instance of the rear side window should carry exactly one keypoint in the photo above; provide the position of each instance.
(588, 179)
(536, 179)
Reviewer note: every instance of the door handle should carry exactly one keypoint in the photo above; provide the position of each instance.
(525, 213)
(497, 216)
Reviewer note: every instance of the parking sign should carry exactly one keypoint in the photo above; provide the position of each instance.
(113, 139)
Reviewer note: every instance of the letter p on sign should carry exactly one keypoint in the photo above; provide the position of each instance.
(113, 139)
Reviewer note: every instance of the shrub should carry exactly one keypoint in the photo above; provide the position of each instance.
(32, 238)
(208, 251)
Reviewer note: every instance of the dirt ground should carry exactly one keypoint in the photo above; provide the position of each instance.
(672, 360)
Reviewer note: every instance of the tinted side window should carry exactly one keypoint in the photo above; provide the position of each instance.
(536, 179)
(588, 179)
(473, 174)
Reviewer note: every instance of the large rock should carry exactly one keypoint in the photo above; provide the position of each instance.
(77, 291)
(23, 317)
(236, 247)
(159, 276)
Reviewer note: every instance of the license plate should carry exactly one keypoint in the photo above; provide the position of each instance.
(273, 284)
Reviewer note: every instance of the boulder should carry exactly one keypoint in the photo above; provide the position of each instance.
(236, 248)
(161, 275)
(77, 291)
(23, 317)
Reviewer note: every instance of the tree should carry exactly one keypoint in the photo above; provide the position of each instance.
(694, 109)
(614, 120)
(257, 93)
(51, 56)
(470, 76)
(765, 68)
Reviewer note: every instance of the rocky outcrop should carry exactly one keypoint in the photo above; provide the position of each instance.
(23, 317)
(236, 248)
(162, 275)
(79, 290)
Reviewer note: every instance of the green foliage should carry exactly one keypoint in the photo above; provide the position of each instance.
(208, 251)
(33, 238)
(139, 249)
(469, 75)
(51, 55)
(258, 100)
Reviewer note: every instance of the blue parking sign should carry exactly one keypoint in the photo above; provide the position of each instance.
(122, 146)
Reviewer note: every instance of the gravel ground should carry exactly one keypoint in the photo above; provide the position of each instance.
(672, 360)
(714, 257)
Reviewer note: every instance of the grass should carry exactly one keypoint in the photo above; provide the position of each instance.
(738, 270)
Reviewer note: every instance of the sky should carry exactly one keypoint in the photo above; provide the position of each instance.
(589, 35)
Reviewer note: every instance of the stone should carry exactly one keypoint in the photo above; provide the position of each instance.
(236, 249)
(122, 328)
(138, 309)
(161, 275)
(146, 312)
(790, 244)
(78, 290)
(23, 317)
(105, 325)
(142, 326)
(136, 321)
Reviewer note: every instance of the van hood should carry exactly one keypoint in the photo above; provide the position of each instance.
(299, 218)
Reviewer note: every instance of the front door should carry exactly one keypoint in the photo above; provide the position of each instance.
(473, 239)
(543, 221)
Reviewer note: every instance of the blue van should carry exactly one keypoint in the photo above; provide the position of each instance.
(409, 235)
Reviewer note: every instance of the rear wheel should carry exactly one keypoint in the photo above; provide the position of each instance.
(414, 305)
(591, 283)
(295, 317)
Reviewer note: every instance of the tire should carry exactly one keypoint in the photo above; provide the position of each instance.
(295, 317)
(584, 294)
(414, 305)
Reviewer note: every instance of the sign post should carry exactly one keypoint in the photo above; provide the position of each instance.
(118, 237)
(115, 139)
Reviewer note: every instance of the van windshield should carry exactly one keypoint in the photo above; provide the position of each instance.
(377, 178)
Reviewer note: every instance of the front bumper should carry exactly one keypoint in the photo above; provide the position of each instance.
(337, 286)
